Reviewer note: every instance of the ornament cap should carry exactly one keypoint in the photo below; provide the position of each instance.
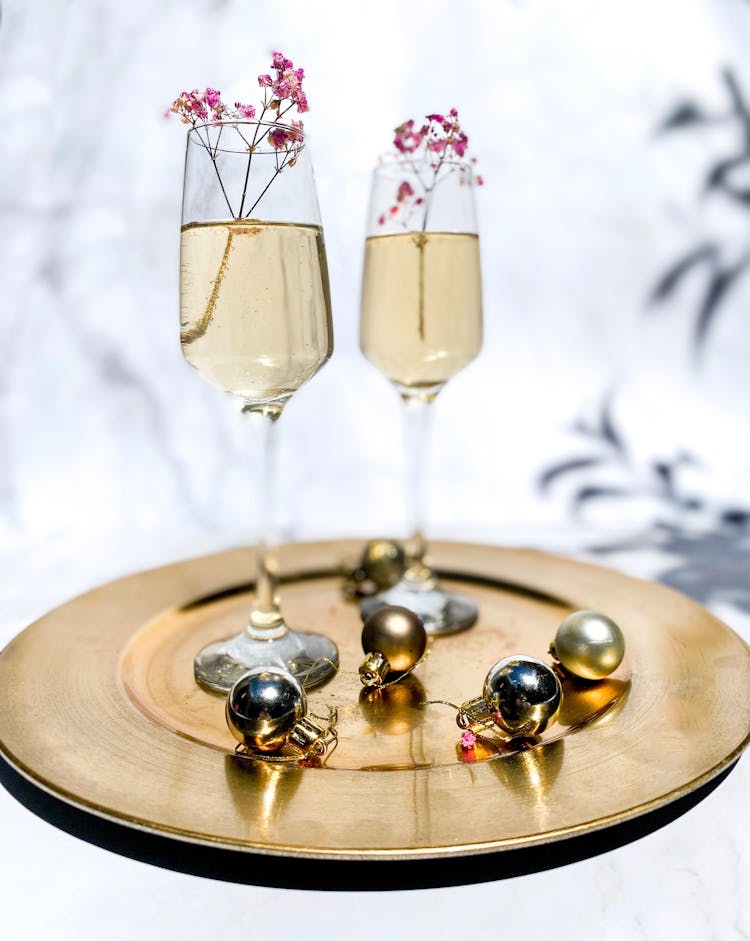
(477, 715)
(374, 669)
(308, 737)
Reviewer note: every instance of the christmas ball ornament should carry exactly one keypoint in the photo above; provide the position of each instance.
(520, 698)
(525, 694)
(263, 707)
(267, 711)
(383, 562)
(588, 644)
(394, 640)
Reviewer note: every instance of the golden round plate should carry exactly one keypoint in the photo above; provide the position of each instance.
(99, 707)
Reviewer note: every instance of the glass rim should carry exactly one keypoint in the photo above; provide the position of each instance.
(400, 162)
(193, 135)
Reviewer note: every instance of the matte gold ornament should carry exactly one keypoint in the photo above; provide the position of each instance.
(520, 698)
(394, 640)
(380, 566)
(383, 562)
(266, 711)
(588, 644)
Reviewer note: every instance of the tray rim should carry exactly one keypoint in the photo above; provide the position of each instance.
(403, 855)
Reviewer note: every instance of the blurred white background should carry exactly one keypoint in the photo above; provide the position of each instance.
(110, 440)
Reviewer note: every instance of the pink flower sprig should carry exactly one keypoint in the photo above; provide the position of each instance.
(287, 84)
(438, 140)
(281, 92)
(198, 107)
(438, 135)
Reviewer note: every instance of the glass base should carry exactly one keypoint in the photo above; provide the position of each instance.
(312, 658)
(442, 612)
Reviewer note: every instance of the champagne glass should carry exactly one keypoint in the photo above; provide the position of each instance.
(255, 318)
(421, 323)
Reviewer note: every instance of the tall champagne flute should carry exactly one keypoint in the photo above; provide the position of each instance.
(255, 317)
(421, 323)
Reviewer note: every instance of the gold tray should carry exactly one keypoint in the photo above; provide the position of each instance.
(98, 706)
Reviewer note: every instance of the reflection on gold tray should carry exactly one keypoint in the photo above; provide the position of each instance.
(98, 706)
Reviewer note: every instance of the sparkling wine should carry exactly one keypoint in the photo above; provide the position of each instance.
(421, 306)
(255, 308)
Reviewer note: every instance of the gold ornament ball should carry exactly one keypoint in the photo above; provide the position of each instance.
(589, 644)
(398, 634)
(383, 562)
(263, 707)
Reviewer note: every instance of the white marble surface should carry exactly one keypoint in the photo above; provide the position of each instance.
(115, 456)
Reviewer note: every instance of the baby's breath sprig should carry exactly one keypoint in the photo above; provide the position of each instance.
(424, 150)
(282, 91)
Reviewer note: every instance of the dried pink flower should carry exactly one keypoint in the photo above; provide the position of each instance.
(406, 139)
(405, 189)
(280, 62)
(278, 137)
(194, 106)
(244, 111)
(286, 85)
(468, 739)
(213, 99)
(281, 137)
(459, 145)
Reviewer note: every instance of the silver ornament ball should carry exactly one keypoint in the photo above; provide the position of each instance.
(524, 693)
(263, 706)
(589, 644)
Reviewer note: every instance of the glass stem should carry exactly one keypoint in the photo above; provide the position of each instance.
(266, 621)
(417, 415)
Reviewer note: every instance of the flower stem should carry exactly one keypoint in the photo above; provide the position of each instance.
(265, 190)
(250, 160)
(255, 141)
(421, 245)
(190, 334)
(212, 158)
